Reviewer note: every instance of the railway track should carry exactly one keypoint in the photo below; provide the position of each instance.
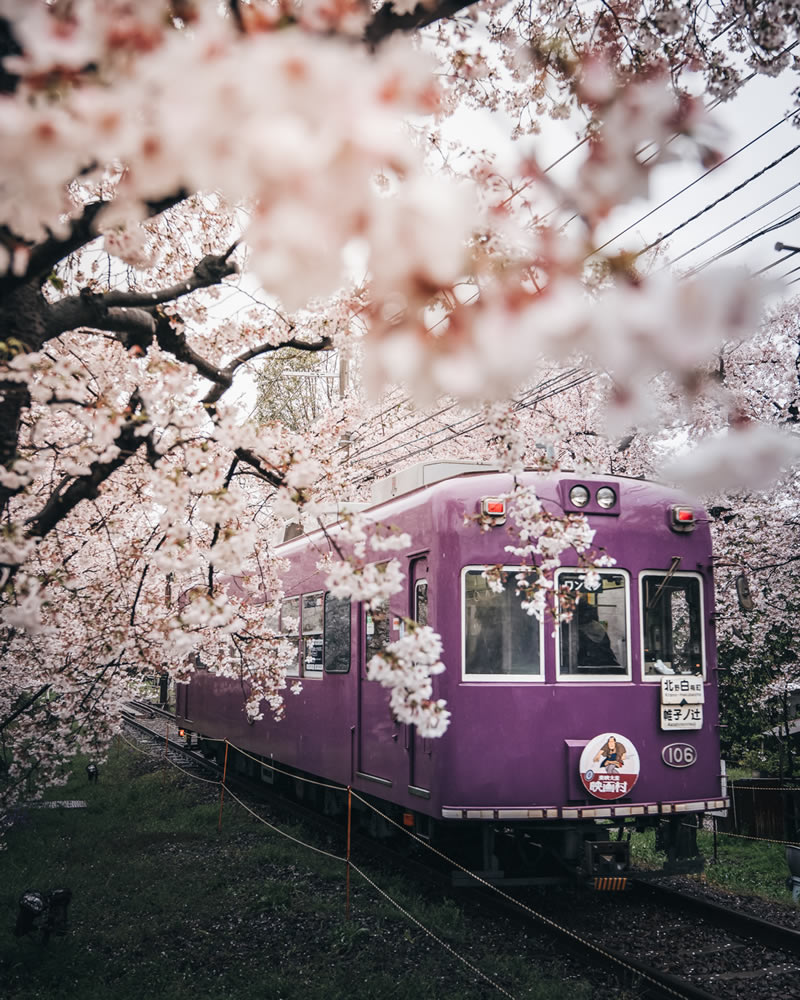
(692, 947)
(652, 939)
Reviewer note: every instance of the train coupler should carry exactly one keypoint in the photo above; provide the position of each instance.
(606, 862)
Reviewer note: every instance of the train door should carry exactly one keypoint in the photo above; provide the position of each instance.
(379, 749)
(419, 749)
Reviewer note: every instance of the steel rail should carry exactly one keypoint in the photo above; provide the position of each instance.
(774, 936)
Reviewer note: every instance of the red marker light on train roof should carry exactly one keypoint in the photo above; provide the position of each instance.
(683, 518)
(494, 508)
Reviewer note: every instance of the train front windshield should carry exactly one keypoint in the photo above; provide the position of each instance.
(595, 641)
(672, 614)
(499, 636)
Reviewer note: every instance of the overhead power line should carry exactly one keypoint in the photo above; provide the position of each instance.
(732, 225)
(779, 223)
(697, 180)
(718, 201)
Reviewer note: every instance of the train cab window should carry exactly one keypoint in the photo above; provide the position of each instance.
(672, 631)
(311, 623)
(595, 642)
(421, 602)
(501, 641)
(290, 628)
(377, 629)
(337, 635)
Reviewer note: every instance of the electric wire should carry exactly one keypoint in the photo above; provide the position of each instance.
(776, 224)
(792, 271)
(476, 425)
(736, 222)
(775, 263)
(697, 180)
(471, 416)
(456, 429)
(523, 403)
(718, 201)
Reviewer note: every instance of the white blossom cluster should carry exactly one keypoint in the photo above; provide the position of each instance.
(545, 537)
(405, 667)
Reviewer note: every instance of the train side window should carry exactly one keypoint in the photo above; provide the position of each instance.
(337, 635)
(377, 629)
(501, 640)
(421, 602)
(595, 642)
(290, 629)
(672, 624)
(311, 624)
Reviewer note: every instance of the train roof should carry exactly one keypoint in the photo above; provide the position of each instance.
(423, 475)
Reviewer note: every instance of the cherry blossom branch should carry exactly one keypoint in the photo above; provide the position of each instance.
(268, 475)
(24, 706)
(215, 536)
(87, 487)
(225, 375)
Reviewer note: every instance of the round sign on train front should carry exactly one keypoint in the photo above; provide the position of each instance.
(609, 766)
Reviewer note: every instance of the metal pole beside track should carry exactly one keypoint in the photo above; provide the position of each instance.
(222, 788)
(347, 876)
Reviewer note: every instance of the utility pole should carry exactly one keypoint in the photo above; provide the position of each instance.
(344, 372)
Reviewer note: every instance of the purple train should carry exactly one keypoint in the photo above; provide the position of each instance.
(561, 737)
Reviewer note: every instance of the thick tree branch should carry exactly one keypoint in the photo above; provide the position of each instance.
(210, 271)
(25, 706)
(268, 475)
(46, 255)
(215, 537)
(8, 47)
(107, 310)
(386, 22)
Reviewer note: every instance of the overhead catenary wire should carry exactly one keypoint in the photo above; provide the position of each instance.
(787, 217)
(697, 180)
(736, 222)
(519, 404)
(477, 422)
(451, 431)
(718, 201)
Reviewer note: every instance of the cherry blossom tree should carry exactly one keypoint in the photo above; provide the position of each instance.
(187, 187)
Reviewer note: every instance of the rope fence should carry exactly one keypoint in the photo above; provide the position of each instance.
(349, 865)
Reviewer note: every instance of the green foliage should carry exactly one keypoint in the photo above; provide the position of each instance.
(10, 348)
(749, 867)
(295, 387)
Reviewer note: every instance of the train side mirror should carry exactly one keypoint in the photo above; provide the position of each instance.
(743, 593)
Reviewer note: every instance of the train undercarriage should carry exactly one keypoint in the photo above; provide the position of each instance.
(513, 854)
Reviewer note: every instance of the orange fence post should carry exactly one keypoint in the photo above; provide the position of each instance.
(349, 818)
(222, 788)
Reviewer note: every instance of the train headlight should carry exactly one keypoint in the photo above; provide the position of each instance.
(579, 496)
(606, 497)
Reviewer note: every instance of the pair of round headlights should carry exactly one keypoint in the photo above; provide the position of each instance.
(606, 497)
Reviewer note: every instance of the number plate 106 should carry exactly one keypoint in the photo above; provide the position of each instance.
(679, 755)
